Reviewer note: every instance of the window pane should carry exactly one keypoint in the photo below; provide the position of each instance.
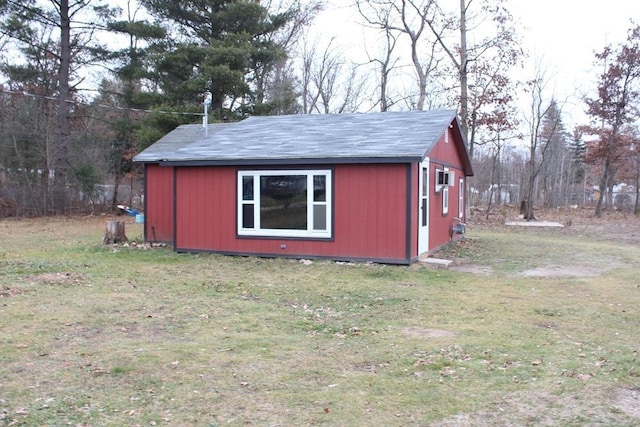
(247, 188)
(319, 188)
(445, 200)
(319, 217)
(283, 202)
(425, 179)
(247, 216)
(424, 211)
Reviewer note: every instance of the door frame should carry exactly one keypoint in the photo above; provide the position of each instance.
(423, 206)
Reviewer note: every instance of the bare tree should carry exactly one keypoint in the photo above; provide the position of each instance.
(283, 89)
(387, 64)
(309, 97)
(409, 18)
(330, 83)
(300, 14)
(539, 109)
(25, 152)
(487, 60)
(635, 158)
(387, 60)
(618, 95)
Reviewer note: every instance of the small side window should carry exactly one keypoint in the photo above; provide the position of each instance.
(445, 200)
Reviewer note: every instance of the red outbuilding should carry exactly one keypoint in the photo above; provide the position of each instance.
(383, 187)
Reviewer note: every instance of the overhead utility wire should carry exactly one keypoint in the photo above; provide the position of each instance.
(110, 107)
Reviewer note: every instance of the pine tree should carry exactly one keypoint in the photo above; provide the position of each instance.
(555, 157)
(217, 46)
(126, 93)
(55, 39)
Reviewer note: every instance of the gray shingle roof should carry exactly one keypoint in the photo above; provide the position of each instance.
(389, 136)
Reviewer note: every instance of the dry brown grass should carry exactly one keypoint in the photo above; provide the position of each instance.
(95, 335)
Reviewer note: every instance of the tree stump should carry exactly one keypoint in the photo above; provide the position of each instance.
(114, 233)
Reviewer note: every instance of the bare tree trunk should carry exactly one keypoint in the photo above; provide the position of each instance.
(636, 209)
(116, 188)
(464, 77)
(527, 204)
(604, 185)
(385, 70)
(60, 193)
(601, 199)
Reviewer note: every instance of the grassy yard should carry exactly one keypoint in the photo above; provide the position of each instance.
(532, 327)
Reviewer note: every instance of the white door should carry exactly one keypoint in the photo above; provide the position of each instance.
(423, 207)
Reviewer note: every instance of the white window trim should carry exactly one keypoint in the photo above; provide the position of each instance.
(266, 232)
(461, 199)
(444, 178)
(445, 190)
(445, 200)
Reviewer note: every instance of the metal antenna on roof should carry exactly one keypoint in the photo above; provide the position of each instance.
(205, 118)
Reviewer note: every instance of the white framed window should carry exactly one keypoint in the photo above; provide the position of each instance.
(285, 203)
(461, 199)
(445, 200)
(444, 178)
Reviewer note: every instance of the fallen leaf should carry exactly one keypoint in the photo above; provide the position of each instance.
(99, 370)
(583, 377)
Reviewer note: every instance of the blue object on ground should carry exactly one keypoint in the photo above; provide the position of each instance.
(128, 210)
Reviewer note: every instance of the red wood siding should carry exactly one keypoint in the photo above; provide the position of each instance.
(158, 203)
(446, 151)
(371, 211)
(205, 208)
(443, 154)
(370, 215)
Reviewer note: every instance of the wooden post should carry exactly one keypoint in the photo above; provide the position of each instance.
(114, 233)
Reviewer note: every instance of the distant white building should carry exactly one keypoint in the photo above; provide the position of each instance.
(624, 196)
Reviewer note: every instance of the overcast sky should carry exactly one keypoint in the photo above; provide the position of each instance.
(562, 35)
(566, 34)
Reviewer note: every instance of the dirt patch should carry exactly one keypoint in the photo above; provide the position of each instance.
(543, 272)
(467, 253)
(418, 332)
(628, 401)
(588, 407)
(564, 271)
(473, 268)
